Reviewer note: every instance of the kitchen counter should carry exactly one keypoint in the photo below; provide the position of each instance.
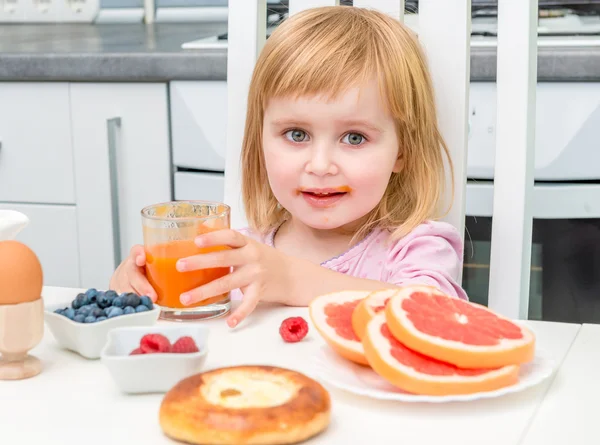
(140, 53)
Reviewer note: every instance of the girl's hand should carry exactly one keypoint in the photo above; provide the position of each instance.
(259, 271)
(130, 276)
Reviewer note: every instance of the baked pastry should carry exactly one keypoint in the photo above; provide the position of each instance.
(245, 405)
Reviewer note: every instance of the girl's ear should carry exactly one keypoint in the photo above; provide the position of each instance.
(399, 164)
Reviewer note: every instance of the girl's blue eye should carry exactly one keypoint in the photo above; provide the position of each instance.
(296, 135)
(354, 139)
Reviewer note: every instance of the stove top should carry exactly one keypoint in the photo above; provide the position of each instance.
(564, 22)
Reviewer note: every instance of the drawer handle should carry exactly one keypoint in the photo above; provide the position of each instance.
(112, 129)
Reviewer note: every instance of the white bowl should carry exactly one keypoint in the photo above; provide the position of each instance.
(88, 339)
(152, 373)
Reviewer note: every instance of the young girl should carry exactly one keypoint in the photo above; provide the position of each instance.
(342, 171)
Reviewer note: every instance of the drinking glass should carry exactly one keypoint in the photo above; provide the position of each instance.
(169, 232)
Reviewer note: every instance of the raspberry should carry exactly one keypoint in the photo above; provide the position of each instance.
(293, 329)
(136, 351)
(151, 343)
(184, 345)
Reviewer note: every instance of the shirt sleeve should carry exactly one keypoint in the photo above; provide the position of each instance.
(432, 254)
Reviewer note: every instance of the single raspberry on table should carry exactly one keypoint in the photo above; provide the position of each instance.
(136, 351)
(293, 329)
(184, 345)
(152, 343)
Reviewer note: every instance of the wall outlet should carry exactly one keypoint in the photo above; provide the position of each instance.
(48, 11)
(84, 11)
(11, 11)
(40, 11)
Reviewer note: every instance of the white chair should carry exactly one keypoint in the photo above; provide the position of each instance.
(444, 30)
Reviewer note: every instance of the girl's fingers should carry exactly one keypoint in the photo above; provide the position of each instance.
(221, 258)
(140, 284)
(234, 280)
(138, 255)
(246, 307)
(226, 237)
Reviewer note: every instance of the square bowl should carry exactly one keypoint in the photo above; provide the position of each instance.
(88, 339)
(157, 372)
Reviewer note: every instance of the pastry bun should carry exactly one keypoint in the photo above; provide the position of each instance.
(245, 405)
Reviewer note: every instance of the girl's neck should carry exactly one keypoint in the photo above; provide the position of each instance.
(299, 240)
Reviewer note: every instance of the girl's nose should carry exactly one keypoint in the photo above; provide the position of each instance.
(321, 162)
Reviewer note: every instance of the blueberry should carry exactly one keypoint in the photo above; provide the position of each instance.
(91, 294)
(132, 300)
(84, 310)
(80, 300)
(142, 308)
(118, 302)
(128, 310)
(69, 313)
(111, 294)
(90, 319)
(103, 301)
(100, 319)
(79, 318)
(97, 312)
(146, 301)
(115, 312)
(107, 310)
(59, 311)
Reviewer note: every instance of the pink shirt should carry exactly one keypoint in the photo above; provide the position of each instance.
(431, 254)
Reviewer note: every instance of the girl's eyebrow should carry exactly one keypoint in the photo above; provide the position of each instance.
(359, 123)
(289, 122)
(347, 123)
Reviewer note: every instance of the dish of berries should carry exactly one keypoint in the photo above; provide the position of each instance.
(94, 306)
(159, 344)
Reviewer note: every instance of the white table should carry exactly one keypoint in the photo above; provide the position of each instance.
(74, 400)
(570, 413)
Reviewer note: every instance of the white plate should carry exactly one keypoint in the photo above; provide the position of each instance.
(343, 374)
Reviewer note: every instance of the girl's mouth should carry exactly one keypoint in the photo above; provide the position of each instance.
(325, 197)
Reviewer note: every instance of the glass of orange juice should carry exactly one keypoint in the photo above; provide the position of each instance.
(169, 232)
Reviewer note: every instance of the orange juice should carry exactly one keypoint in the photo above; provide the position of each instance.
(169, 283)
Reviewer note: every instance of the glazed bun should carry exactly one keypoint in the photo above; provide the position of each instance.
(245, 405)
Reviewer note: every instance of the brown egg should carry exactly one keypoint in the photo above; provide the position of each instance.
(21, 277)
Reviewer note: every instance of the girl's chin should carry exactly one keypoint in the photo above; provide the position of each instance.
(330, 222)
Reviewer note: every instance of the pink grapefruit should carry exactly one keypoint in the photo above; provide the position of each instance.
(456, 331)
(416, 373)
(368, 307)
(331, 315)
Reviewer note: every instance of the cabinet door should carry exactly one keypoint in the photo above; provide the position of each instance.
(122, 163)
(199, 185)
(51, 234)
(36, 156)
(199, 124)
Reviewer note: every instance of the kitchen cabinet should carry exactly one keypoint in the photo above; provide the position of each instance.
(205, 186)
(81, 160)
(51, 234)
(122, 163)
(199, 124)
(36, 155)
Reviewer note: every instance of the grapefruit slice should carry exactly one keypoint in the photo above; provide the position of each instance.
(418, 374)
(463, 333)
(367, 308)
(332, 316)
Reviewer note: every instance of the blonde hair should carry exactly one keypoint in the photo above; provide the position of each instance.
(325, 51)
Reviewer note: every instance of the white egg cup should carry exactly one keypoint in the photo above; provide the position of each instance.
(21, 329)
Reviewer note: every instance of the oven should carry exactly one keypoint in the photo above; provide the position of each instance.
(565, 258)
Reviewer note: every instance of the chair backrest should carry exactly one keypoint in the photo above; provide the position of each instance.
(444, 29)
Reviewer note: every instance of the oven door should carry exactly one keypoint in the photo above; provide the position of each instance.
(565, 254)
